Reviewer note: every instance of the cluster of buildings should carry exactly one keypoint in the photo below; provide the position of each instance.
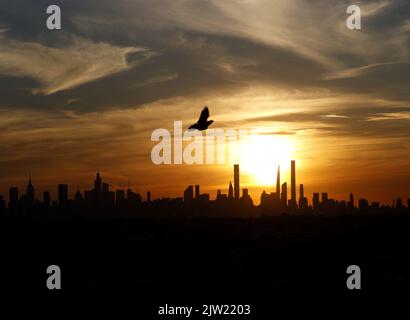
(101, 198)
(233, 193)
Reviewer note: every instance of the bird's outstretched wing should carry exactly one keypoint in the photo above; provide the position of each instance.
(204, 115)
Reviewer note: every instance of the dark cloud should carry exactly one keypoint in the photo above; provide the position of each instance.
(349, 121)
(205, 62)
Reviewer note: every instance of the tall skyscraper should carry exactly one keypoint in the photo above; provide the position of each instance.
(230, 190)
(325, 200)
(351, 201)
(284, 195)
(197, 193)
(236, 186)
(293, 181)
(278, 183)
(148, 196)
(62, 195)
(97, 183)
(30, 192)
(189, 194)
(78, 196)
(315, 201)
(301, 196)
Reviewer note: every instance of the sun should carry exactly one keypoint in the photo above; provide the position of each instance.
(260, 155)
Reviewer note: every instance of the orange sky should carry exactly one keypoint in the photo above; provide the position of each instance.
(89, 96)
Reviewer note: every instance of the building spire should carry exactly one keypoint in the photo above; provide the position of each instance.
(278, 183)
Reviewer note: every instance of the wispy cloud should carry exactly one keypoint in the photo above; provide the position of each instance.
(405, 115)
(375, 7)
(63, 68)
(157, 80)
(356, 72)
(334, 116)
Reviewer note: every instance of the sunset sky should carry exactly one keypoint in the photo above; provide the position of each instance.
(89, 96)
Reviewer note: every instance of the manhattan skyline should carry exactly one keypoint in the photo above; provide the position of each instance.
(284, 196)
(89, 95)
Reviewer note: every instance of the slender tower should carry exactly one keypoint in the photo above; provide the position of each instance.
(351, 201)
(236, 186)
(30, 192)
(97, 183)
(301, 196)
(230, 192)
(284, 196)
(278, 183)
(293, 182)
(197, 191)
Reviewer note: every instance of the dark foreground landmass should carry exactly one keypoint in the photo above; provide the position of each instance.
(265, 262)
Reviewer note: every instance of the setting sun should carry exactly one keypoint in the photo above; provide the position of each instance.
(260, 156)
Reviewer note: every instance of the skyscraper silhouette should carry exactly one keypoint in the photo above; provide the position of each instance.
(189, 194)
(316, 201)
(325, 199)
(301, 196)
(284, 196)
(30, 192)
(197, 191)
(97, 183)
(230, 190)
(236, 186)
(293, 182)
(62, 195)
(278, 183)
(78, 196)
(351, 201)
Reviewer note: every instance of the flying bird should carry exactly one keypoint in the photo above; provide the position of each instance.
(203, 123)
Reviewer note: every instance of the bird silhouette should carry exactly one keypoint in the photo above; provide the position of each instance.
(203, 123)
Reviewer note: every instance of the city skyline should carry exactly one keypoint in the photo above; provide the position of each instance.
(287, 196)
(196, 158)
(90, 95)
